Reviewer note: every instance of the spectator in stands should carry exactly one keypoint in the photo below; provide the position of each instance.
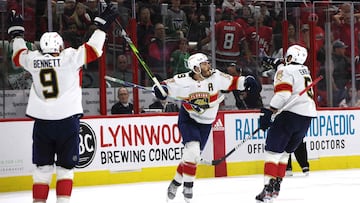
(123, 106)
(341, 76)
(291, 34)
(145, 30)
(319, 34)
(158, 58)
(176, 21)
(259, 37)
(342, 71)
(264, 11)
(341, 30)
(198, 30)
(124, 12)
(244, 14)
(71, 36)
(69, 9)
(155, 9)
(92, 8)
(123, 69)
(232, 5)
(179, 57)
(81, 19)
(164, 105)
(347, 101)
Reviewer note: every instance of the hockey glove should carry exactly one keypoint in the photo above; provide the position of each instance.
(106, 18)
(16, 24)
(271, 63)
(158, 94)
(251, 85)
(265, 119)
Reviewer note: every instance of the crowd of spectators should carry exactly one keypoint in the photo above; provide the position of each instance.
(168, 31)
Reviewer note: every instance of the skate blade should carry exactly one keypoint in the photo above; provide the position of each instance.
(168, 199)
(187, 200)
(268, 200)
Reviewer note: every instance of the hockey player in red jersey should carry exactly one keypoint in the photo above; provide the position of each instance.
(55, 101)
(201, 86)
(289, 127)
(230, 41)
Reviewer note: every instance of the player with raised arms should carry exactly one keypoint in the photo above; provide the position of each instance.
(55, 101)
(199, 86)
(287, 130)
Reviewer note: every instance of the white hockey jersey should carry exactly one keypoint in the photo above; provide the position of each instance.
(56, 90)
(289, 81)
(202, 92)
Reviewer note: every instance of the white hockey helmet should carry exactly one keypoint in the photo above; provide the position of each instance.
(51, 42)
(298, 54)
(195, 60)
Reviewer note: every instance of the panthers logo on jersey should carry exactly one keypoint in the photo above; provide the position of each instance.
(279, 76)
(200, 99)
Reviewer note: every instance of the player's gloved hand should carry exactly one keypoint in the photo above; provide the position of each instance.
(106, 18)
(251, 85)
(16, 24)
(158, 93)
(271, 63)
(265, 119)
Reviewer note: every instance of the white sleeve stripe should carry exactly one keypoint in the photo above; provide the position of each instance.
(13, 28)
(100, 20)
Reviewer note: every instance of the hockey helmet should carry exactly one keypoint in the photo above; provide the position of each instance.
(298, 54)
(195, 60)
(51, 42)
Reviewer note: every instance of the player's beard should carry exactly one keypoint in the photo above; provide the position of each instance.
(206, 73)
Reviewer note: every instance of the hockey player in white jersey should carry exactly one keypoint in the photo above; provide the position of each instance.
(289, 127)
(200, 86)
(55, 101)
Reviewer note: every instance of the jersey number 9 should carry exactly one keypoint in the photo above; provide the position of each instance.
(49, 81)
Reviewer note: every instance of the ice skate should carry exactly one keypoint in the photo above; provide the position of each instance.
(188, 194)
(265, 195)
(289, 172)
(277, 184)
(306, 171)
(171, 191)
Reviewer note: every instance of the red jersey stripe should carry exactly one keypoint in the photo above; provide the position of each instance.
(91, 54)
(283, 87)
(17, 56)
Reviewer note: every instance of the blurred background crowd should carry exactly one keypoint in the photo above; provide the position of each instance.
(236, 34)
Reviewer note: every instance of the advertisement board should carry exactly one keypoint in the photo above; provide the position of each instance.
(152, 141)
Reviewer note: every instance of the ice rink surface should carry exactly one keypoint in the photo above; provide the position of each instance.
(320, 186)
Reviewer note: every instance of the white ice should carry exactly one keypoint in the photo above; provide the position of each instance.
(319, 187)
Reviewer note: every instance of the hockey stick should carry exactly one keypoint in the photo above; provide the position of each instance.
(218, 161)
(129, 84)
(138, 56)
